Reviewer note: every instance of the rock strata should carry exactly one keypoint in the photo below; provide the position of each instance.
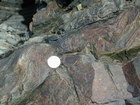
(14, 19)
(97, 42)
(22, 76)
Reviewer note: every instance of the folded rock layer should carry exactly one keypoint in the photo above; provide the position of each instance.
(97, 42)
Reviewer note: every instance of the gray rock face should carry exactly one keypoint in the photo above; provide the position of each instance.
(13, 29)
(97, 42)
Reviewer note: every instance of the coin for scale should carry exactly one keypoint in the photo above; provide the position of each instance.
(54, 61)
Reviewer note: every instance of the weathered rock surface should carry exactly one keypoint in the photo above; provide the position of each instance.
(14, 19)
(24, 73)
(131, 72)
(109, 85)
(96, 40)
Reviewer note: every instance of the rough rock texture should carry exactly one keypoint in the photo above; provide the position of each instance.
(96, 40)
(109, 78)
(24, 73)
(14, 20)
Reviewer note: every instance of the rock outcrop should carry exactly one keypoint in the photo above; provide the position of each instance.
(14, 20)
(97, 42)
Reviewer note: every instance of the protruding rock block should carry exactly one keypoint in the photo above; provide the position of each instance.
(109, 84)
(23, 72)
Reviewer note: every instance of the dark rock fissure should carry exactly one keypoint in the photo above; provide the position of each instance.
(28, 10)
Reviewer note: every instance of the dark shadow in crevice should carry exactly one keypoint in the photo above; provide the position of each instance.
(63, 3)
(41, 5)
(129, 0)
(28, 9)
